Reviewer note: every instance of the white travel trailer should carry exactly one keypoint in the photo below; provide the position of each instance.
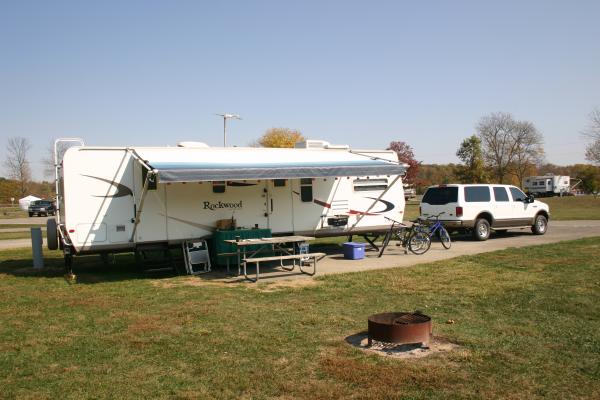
(113, 199)
(547, 185)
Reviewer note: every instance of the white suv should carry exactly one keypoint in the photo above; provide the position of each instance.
(479, 208)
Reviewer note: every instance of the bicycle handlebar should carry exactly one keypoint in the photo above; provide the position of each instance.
(435, 216)
(394, 221)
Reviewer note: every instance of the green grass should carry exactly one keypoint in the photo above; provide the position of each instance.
(10, 226)
(17, 235)
(573, 207)
(526, 320)
(12, 212)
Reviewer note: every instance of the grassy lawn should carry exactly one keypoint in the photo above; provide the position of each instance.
(527, 321)
(17, 235)
(573, 207)
(12, 212)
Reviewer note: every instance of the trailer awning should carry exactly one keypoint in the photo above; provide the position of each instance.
(197, 165)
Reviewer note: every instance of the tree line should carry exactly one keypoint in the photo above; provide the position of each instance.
(503, 150)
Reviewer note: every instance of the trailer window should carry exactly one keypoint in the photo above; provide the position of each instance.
(477, 194)
(278, 182)
(365, 185)
(151, 179)
(218, 186)
(306, 189)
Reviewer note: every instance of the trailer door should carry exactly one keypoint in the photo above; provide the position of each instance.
(279, 208)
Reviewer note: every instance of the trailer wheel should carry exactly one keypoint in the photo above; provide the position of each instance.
(51, 234)
(481, 230)
(540, 225)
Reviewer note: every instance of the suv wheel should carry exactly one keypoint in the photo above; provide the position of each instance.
(31, 214)
(481, 230)
(540, 225)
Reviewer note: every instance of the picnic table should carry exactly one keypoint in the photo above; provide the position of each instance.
(285, 246)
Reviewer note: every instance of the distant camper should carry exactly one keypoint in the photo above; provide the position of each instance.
(547, 185)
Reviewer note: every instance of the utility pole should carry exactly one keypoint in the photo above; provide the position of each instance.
(225, 118)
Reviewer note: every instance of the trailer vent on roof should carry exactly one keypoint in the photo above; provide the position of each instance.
(320, 144)
(312, 144)
(195, 145)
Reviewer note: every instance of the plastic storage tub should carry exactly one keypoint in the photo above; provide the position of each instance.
(354, 251)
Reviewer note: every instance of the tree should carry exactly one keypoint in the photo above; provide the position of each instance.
(473, 168)
(406, 155)
(509, 147)
(589, 175)
(280, 137)
(48, 160)
(592, 151)
(529, 151)
(16, 162)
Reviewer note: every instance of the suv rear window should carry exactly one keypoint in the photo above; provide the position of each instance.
(437, 196)
(477, 193)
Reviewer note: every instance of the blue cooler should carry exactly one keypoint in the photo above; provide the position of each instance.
(354, 251)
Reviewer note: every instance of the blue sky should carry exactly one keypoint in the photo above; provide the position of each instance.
(358, 73)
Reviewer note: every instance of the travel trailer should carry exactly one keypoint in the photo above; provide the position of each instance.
(113, 199)
(547, 185)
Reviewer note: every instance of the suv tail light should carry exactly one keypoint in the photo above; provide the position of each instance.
(459, 211)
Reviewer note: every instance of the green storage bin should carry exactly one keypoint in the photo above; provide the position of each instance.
(221, 247)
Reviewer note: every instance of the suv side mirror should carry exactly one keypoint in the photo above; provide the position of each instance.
(529, 199)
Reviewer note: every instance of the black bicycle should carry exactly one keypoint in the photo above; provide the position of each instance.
(412, 238)
(433, 226)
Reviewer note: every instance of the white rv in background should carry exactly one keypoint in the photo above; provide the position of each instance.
(547, 185)
(113, 199)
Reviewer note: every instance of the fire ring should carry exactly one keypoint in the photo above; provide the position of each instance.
(400, 328)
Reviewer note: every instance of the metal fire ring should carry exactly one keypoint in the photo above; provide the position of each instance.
(400, 328)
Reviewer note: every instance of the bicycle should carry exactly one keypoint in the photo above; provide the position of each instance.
(437, 228)
(411, 238)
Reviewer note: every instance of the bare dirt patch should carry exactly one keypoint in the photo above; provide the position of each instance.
(401, 351)
(266, 287)
(287, 284)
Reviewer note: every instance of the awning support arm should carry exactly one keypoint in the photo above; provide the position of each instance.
(361, 216)
(138, 211)
(139, 158)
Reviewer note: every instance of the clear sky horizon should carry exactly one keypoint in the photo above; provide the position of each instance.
(357, 73)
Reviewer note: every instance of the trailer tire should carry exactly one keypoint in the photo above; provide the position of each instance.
(481, 230)
(51, 234)
(540, 225)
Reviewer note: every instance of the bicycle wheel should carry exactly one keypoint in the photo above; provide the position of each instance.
(419, 242)
(386, 240)
(445, 238)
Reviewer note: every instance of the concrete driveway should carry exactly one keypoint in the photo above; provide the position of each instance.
(463, 245)
(395, 257)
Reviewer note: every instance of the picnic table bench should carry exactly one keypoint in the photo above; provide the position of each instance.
(285, 245)
(304, 258)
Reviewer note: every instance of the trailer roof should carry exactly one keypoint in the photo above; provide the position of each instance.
(180, 164)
